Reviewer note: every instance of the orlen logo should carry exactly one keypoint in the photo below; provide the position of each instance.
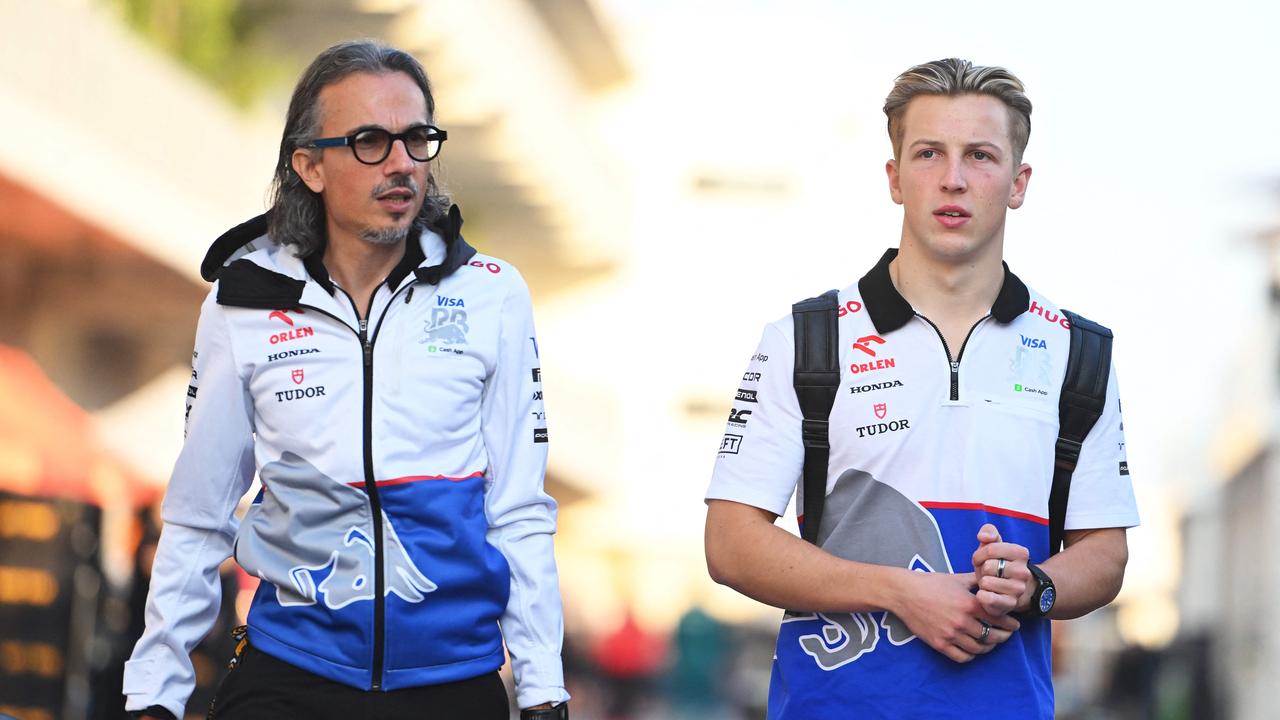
(1049, 316)
(849, 308)
(295, 333)
(864, 344)
(283, 317)
(491, 267)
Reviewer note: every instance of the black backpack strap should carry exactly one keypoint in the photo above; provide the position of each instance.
(816, 379)
(1084, 396)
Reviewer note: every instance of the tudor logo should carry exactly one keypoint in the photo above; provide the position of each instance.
(863, 344)
(881, 410)
(881, 428)
(297, 376)
(310, 392)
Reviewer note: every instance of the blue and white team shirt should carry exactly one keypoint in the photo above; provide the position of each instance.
(928, 443)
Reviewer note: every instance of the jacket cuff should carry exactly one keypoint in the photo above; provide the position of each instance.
(541, 680)
(157, 711)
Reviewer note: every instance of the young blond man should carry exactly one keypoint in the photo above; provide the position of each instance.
(931, 586)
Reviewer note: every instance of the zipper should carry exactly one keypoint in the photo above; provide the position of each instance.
(375, 500)
(370, 483)
(954, 364)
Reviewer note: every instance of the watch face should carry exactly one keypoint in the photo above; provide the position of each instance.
(1046, 600)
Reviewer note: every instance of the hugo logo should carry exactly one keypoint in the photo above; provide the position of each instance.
(848, 308)
(1049, 316)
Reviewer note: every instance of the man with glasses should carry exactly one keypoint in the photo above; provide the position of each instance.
(930, 584)
(382, 379)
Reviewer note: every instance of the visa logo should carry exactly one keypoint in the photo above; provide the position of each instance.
(1033, 342)
(442, 301)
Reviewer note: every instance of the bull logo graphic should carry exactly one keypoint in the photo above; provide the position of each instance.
(447, 335)
(1030, 367)
(350, 574)
(310, 537)
(869, 521)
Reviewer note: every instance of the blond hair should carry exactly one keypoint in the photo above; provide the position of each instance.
(952, 77)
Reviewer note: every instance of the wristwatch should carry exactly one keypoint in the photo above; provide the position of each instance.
(1045, 594)
(559, 712)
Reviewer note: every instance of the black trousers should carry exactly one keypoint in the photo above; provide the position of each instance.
(260, 687)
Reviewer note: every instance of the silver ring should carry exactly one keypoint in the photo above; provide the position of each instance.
(1000, 568)
(986, 630)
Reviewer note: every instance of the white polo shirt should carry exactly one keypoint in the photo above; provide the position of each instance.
(928, 443)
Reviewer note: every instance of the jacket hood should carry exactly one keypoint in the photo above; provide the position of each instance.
(244, 283)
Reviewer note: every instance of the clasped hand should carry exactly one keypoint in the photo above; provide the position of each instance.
(942, 610)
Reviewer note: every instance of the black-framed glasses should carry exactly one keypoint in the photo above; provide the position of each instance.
(373, 145)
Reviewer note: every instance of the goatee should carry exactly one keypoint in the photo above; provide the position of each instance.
(385, 236)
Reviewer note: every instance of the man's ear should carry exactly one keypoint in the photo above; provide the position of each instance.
(895, 191)
(1019, 193)
(309, 168)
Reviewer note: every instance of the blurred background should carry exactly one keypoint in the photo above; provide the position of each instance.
(669, 176)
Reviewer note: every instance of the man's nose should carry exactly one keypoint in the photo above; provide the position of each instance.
(953, 179)
(398, 161)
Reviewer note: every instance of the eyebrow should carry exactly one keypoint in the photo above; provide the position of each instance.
(968, 146)
(362, 128)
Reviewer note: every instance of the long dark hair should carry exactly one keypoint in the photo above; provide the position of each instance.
(297, 213)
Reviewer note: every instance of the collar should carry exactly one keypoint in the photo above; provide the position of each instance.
(889, 310)
(413, 257)
(244, 283)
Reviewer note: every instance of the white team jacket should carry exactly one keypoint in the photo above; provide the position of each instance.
(428, 417)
